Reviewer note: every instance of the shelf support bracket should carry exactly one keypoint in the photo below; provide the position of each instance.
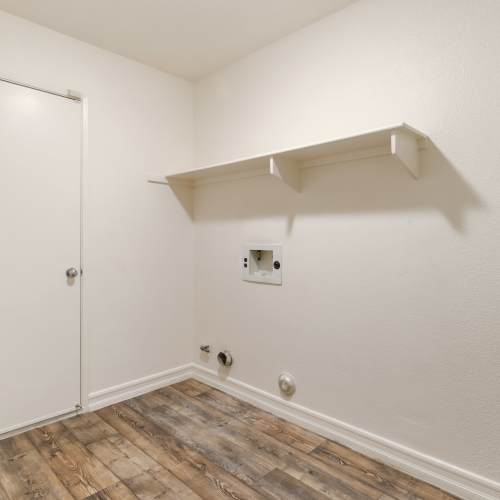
(404, 146)
(286, 171)
(183, 190)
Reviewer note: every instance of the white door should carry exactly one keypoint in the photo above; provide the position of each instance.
(40, 162)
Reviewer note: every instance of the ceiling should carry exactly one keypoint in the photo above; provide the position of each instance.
(189, 38)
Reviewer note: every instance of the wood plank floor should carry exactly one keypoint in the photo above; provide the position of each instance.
(190, 441)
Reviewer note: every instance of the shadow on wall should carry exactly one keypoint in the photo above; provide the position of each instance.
(363, 186)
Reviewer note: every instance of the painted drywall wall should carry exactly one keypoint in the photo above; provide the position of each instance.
(138, 241)
(388, 315)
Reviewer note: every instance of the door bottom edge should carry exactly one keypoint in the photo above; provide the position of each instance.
(33, 424)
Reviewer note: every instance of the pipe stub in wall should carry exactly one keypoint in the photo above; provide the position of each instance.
(287, 384)
(225, 358)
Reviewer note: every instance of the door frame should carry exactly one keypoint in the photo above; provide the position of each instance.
(84, 354)
(82, 100)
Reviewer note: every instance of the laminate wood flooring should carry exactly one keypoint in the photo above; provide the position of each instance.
(191, 441)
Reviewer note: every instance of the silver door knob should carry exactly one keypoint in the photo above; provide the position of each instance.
(72, 272)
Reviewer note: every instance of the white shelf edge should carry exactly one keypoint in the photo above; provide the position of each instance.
(157, 179)
(345, 157)
(404, 143)
(234, 176)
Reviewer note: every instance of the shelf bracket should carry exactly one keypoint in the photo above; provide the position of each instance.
(286, 171)
(404, 146)
(182, 189)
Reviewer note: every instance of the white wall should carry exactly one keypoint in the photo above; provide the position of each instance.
(138, 241)
(388, 316)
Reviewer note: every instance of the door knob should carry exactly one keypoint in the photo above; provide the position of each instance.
(72, 272)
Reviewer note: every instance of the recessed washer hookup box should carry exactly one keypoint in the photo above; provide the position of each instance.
(262, 263)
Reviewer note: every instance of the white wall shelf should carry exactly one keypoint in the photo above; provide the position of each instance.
(401, 141)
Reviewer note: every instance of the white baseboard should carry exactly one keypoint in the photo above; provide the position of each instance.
(122, 392)
(33, 424)
(463, 483)
(110, 396)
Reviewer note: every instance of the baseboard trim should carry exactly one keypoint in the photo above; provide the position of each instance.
(122, 392)
(455, 480)
(33, 424)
